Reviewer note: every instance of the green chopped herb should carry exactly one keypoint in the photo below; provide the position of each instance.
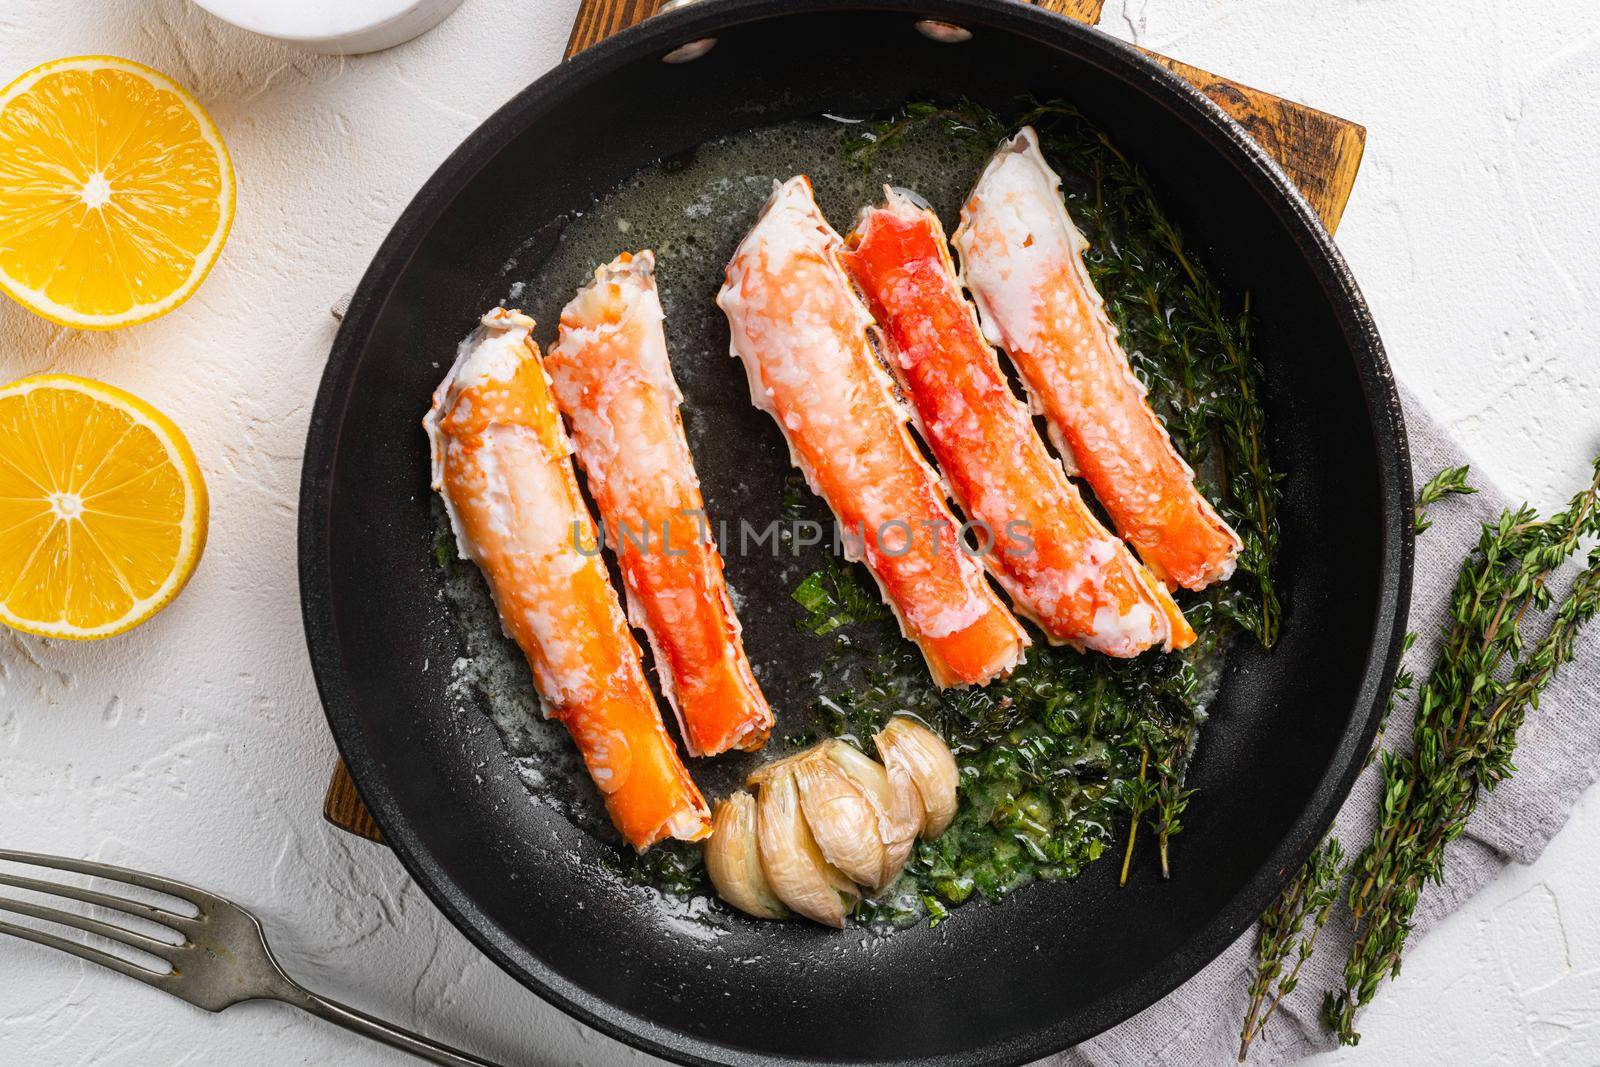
(675, 867)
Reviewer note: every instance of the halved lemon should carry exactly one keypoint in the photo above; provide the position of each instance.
(116, 192)
(102, 508)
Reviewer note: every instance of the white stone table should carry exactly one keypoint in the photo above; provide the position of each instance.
(195, 746)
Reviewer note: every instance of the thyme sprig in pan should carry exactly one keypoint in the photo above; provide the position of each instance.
(1482, 685)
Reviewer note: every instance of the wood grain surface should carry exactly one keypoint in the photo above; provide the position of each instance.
(1318, 151)
(342, 806)
(599, 19)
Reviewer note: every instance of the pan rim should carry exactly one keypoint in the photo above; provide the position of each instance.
(1084, 44)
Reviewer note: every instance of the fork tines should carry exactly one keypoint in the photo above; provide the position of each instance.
(177, 921)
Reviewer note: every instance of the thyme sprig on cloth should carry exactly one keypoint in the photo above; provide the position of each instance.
(1314, 890)
(1312, 893)
(1484, 681)
(1452, 481)
(1482, 685)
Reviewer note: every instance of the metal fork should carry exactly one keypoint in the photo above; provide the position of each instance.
(222, 960)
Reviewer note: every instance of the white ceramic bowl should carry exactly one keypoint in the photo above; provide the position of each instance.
(336, 27)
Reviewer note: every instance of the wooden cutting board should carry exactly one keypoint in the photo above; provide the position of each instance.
(1319, 151)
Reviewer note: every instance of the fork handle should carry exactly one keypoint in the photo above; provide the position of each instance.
(378, 1030)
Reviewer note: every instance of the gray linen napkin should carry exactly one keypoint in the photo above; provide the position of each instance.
(1558, 756)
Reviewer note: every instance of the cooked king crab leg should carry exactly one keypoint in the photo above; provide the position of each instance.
(1022, 258)
(1061, 567)
(614, 383)
(802, 333)
(500, 461)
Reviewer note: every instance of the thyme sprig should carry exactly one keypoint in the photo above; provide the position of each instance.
(1404, 683)
(1451, 481)
(1140, 799)
(1171, 796)
(1483, 683)
(1311, 894)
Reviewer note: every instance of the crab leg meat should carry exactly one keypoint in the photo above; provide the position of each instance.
(614, 384)
(1061, 567)
(802, 333)
(500, 461)
(1022, 258)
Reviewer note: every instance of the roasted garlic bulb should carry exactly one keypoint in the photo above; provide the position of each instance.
(829, 822)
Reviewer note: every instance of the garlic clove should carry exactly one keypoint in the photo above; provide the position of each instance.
(759, 776)
(906, 795)
(912, 751)
(795, 868)
(842, 820)
(899, 811)
(733, 859)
